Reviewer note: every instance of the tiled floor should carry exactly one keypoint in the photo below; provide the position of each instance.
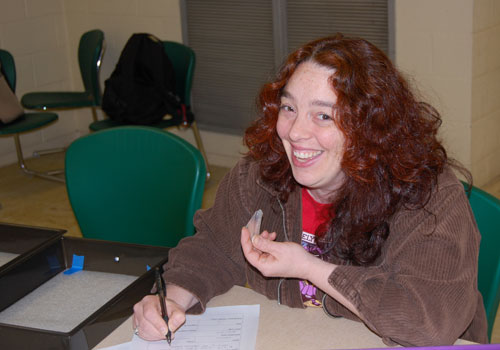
(33, 201)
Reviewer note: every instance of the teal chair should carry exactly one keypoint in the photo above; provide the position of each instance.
(135, 184)
(25, 123)
(90, 51)
(183, 60)
(486, 209)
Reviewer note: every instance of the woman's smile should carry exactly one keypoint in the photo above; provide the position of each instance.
(305, 157)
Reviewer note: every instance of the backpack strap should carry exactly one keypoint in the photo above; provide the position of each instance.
(186, 115)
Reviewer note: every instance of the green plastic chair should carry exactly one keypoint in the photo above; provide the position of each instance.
(183, 60)
(135, 184)
(25, 123)
(486, 209)
(90, 51)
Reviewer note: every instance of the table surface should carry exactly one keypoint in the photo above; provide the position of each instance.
(283, 327)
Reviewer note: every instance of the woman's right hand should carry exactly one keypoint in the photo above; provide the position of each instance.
(148, 321)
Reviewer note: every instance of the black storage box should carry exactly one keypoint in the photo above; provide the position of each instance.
(40, 267)
(16, 241)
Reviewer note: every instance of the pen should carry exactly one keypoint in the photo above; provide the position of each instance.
(160, 290)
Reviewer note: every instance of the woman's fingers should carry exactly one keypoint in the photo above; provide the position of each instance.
(176, 317)
(274, 259)
(148, 321)
(252, 253)
(246, 244)
(265, 243)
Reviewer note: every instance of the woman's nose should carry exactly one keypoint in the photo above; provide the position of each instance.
(299, 128)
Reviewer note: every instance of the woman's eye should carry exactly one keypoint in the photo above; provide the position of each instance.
(324, 117)
(286, 108)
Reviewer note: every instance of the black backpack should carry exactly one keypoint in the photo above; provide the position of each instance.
(141, 88)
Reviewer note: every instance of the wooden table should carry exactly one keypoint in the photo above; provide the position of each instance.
(281, 327)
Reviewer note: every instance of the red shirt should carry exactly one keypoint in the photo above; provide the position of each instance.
(313, 215)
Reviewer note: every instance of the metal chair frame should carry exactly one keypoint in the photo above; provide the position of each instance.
(9, 68)
(90, 77)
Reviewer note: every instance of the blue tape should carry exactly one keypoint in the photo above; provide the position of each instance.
(148, 267)
(53, 262)
(76, 266)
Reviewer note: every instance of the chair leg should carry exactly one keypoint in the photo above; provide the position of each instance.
(49, 175)
(94, 114)
(44, 152)
(197, 137)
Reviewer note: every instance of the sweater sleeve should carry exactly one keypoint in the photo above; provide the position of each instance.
(211, 262)
(424, 289)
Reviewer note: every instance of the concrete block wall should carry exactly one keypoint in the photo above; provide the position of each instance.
(451, 48)
(433, 47)
(485, 129)
(34, 32)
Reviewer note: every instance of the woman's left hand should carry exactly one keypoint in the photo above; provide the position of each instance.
(275, 259)
(290, 260)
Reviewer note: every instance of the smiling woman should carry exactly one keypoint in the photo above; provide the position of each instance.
(313, 142)
(362, 212)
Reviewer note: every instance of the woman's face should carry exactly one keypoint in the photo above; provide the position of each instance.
(313, 143)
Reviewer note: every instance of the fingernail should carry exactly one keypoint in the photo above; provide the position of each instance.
(255, 239)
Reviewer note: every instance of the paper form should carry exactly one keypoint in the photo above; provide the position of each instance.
(218, 328)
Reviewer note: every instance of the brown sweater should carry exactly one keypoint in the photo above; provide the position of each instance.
(421, 291)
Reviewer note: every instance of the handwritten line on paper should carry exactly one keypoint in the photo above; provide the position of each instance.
(218, 328)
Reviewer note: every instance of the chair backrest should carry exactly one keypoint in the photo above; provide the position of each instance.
(90, 50)
(135, 184)
(486, 209)
(183, 59)
(8, 68)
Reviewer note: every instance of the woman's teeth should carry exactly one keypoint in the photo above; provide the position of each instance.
(300, 155)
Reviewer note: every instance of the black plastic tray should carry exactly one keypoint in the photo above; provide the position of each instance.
(40, 265)
(25, 241)
(22, 240)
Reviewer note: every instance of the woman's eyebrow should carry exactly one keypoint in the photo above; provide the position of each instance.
(286, 94)
(322, 103)
(319, 103)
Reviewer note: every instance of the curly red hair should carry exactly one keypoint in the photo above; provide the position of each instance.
(392, 156)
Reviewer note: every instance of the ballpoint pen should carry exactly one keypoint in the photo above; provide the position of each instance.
(160, 290)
